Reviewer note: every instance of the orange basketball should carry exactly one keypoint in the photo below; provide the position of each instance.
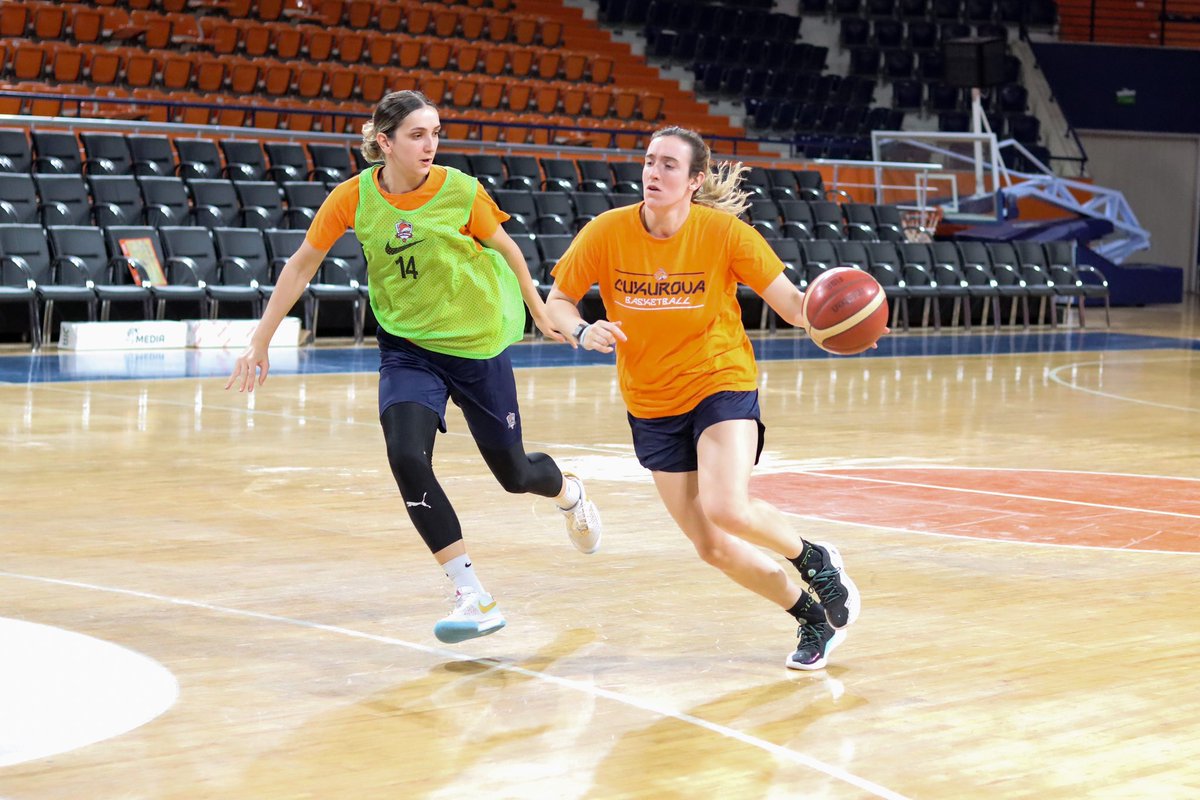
(846, 309)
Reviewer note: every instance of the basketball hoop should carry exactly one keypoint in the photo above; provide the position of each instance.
(920, 224)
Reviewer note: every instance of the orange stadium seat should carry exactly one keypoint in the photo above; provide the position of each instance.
(455, 131)
(417, 20)
(359, 14)
(243, 75)
(221, 35)
(499, 27)
(14, 19)
(550, 33)
(600, 102)
(402, 81)
(491, 94)
(276, 77)
(140, 69)
(372, 83)
(237, 8)
(546, 98)
(409, 53)
(156, 28)
(462, 92)
(153, 113)
(573, 99)
(185, 30)
(29, 61)
(86, 23)
(350, 46)
(574, 66)
(68, 63)
(49, 20)
(467, 57)
(650, 106)
(433, 87)
(626, 102)
(319, 43)
(495, 61)
(255, 37)
(177, 70)
(104, 65)
(549, 62)
(437, 54)
(330, 12)
(380, 49)
(525, 30)
(519, 94)
(600, 69)
(209, 75)
(474, 25)
(342, 81)
(267, 10)
(445, 23)
(310, 79)
(233, 117)
(520, 61)
(389, 16)
(288, 40)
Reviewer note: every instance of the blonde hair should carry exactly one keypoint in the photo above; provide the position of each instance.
(721, 180)
(388, 115)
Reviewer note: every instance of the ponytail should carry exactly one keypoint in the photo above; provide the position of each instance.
(720, 189)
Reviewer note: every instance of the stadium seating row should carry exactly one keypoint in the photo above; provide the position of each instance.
(972, 278)
(97, 266)
(324, 31)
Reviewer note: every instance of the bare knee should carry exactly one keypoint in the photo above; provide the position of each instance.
(715, 552)
(728, 515)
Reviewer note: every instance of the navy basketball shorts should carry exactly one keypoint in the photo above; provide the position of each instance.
(668, 444)
(484, 389)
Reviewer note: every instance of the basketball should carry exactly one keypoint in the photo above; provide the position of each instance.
(846, 309)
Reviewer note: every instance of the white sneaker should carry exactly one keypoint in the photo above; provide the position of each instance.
(583, 520)
(474, 615)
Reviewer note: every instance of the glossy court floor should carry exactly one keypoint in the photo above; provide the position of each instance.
(213, 595)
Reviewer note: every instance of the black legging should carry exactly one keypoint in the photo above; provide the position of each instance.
(409, 429)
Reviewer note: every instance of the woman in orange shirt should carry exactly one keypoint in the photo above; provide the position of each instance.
(446, 287)
(668, 270)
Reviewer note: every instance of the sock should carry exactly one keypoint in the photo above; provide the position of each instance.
(807, 609)
(568, 498)
(459, 570)
(809, 561)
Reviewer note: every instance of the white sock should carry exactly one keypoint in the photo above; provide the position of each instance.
(570, 494)
(459, 570)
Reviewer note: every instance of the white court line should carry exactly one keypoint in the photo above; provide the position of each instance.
(778, 751)
(997, 494)
(988, 540)
(1053, 375)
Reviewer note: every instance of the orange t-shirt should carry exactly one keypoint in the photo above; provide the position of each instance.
(676, 300)
(336, 214)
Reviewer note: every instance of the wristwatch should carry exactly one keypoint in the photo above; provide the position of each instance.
(583, 326)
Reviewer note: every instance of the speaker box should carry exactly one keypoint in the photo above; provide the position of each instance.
(974, 63)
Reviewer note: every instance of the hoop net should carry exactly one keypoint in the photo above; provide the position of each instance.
(920, 224)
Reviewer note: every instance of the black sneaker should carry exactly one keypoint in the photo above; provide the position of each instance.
(817, 640)
(821, 567)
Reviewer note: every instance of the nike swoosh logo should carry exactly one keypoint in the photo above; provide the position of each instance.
(488, 607)
(391, 251)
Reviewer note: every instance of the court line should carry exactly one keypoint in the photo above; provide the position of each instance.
(989, 493)
(778, 751)
(1053, 375)
(986, 540)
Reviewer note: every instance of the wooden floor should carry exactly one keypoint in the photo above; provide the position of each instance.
(1025, 531)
